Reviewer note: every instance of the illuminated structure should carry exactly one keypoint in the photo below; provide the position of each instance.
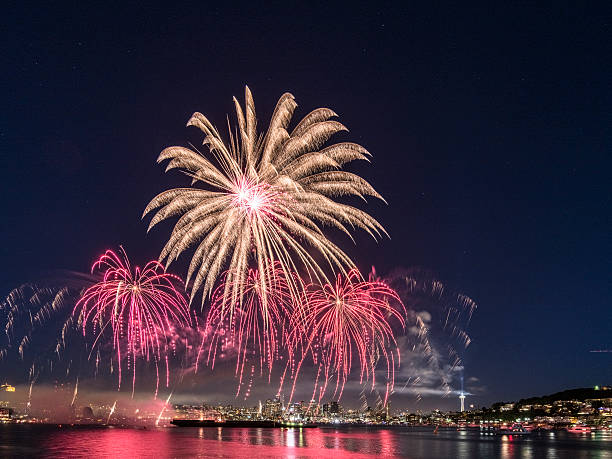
(331, 409)
(273, 409)
(462, 396)
(5, 414)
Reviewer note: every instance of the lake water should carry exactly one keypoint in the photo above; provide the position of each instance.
(324, 442)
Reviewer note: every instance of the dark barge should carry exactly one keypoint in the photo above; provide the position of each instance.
(266, 424)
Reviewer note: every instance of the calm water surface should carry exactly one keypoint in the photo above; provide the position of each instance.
(325, 442)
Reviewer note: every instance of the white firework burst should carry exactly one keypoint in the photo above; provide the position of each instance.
(261, 198)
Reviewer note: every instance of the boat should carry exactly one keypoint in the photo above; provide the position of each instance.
(230, 423)
(298, 424)
(579, 428)
(514, 429)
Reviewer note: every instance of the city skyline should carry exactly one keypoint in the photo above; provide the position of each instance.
(588, 405)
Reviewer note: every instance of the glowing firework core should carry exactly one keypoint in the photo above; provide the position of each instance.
(252, 198)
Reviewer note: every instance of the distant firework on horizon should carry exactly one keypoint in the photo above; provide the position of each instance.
(38, 323)
(138, 306)
(437, 318)
(264, 200)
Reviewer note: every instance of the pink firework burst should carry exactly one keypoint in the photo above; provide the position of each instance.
(140, 307)
(255, 324)
(351, 319)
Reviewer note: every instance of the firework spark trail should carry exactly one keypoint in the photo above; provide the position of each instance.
(266, 196)
(163, 409)
(139, 306)
(97, 362)
(29, 404)
(30, 308)
(76, 391)
(254, 324)
(351, 319)
(111, 412)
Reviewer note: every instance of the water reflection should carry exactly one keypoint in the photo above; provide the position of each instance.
(290, 435)
(344, 442)
(507, 446)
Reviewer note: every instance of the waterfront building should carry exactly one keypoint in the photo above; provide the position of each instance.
(273, 409)
(188, 411)
(5, 414)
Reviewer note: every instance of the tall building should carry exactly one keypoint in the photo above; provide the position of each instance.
(462, 395)
(462, 399)
(273, 409)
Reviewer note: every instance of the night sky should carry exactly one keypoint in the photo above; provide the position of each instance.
(490, 128)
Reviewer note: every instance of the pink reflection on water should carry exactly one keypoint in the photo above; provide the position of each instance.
(386, 439)
(217, 442)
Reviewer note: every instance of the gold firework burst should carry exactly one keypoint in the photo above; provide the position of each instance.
(262, 197)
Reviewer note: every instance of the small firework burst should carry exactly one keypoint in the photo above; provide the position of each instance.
(349, 320)
(257, 323)
(138, 306)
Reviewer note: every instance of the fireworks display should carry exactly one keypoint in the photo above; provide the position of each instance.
(138, 306)
(263, 264)
(351, 319)
(265, 196)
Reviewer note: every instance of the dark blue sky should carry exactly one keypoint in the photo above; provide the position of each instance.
(490, 128)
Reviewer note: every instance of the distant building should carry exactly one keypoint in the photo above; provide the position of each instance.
(5, 414)
(507, 407)
(273, 409)
(191, 412)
